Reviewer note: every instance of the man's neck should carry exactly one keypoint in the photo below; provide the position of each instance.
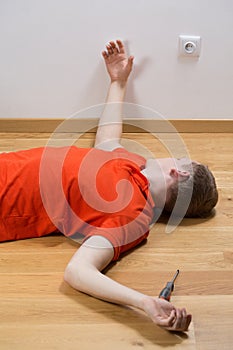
(157, 182)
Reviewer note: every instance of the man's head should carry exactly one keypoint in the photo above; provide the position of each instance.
(198, 178)
(171, 179)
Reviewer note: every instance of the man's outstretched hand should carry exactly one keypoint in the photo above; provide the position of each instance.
(118, 64)
(165, 315)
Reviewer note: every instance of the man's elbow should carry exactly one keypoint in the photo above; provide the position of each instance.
(72, 276)
(79, 275)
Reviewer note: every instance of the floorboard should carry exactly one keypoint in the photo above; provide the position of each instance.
(40, 311)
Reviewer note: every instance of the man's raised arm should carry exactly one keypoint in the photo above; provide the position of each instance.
(119, 66)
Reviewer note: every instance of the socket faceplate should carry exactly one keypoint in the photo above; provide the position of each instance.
(189, 45)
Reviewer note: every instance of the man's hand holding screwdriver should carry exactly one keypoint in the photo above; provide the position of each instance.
(165, 314)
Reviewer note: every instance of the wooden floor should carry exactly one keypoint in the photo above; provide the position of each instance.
(39, 311)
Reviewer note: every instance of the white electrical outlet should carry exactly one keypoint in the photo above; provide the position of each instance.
(189, 45)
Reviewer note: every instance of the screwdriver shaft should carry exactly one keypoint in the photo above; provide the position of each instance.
(174, 278)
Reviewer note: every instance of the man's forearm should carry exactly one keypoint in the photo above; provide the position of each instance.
(91, 281)
(110, 123)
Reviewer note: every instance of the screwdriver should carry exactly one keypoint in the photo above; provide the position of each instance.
(167, 291)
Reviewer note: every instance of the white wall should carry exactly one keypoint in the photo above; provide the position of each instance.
(50, 62)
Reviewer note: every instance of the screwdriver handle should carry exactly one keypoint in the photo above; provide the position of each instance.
(167, 291)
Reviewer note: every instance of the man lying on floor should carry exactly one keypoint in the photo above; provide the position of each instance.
(106, 194)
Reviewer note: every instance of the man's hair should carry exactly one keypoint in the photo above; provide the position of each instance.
(204, 194)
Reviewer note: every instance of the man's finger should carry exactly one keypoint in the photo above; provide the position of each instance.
(130, 61)
(184, 319)
(168, 322)
(188, 321)
(104, 54)
(121, 46)
(114, 47)
(178, 322)
(109, 49)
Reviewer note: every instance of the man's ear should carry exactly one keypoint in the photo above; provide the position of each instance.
(179, 175)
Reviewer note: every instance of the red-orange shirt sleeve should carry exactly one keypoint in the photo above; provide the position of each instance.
(129, 227)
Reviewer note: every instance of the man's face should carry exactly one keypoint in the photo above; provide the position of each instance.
(182, 163)
(176, 163)
(166, 164)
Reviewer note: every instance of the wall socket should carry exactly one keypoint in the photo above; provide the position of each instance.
(189, 45)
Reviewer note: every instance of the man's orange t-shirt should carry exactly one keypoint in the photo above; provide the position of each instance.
(75, 191)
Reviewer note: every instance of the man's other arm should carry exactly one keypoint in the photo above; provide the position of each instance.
(119, 67)
(84, 274)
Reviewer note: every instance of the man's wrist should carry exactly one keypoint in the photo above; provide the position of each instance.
(120, 82)
(146, 302)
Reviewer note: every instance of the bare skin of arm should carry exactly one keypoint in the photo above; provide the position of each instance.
(119, 66)
(84, 274)
(84, 270)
